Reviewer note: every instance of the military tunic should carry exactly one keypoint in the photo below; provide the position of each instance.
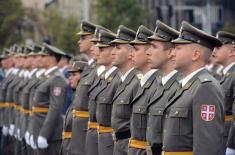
(228, 84)
(194, 117)
(139, 115)
(155, 109)
(50, 97)
(80, 104)
(103, 112)
(121, 112)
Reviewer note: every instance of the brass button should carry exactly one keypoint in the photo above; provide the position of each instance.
(176, 112)
(139, 109)
(164, 131)
(159, 111)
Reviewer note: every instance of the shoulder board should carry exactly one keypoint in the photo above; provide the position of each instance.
(205, 78)
(139, 76)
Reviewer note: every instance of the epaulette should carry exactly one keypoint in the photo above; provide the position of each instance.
(205, 78)
(139, 76)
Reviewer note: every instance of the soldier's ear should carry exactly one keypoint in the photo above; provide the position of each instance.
(232, 51)
(196, 54)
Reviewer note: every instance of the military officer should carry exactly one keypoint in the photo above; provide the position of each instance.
(17, 92)
(108, 88)
(33, 61)
(74, 77)
(6, 141)
(92, 134)
(194, 120)
(225, 55)
(122, 107)
(137, 142)
(80, 101)
(160, 56)
(48, 101)
(38, 79)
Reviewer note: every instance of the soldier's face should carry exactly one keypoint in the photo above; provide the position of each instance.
(157, 54)
(94, 52)
(120, 54)
(105, 57)
(85, 43)
(140, 58)
(182, 55)
(220, 54)
(74, 78)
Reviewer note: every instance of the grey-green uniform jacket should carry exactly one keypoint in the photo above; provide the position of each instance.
(155, 112)
(3, 89)
(49, 94)
(228, 84)
(194, 117)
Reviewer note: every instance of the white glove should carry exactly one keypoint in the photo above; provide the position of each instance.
(27, 137)
(32, 144)
(11, 130)
(230, 151)
(42, 142)
(18, 135)
(5, 130)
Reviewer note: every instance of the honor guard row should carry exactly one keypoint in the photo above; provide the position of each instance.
(144, 92)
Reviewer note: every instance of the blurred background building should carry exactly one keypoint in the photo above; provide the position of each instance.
(57, 21)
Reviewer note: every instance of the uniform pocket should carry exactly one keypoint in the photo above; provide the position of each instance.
(123, 108)
(155, 119)
(139, 117)
(179, 121)
(104, 106)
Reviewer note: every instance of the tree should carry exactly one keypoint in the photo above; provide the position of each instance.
(11, 19)
(62, 31)
(112, 13)
(229, 27)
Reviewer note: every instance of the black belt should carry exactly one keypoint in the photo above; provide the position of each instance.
(121, 135)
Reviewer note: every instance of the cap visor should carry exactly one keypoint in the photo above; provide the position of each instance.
(181, 41)
(137, 42)
(94, 40)
(81, 33)
(101, 45)
(119, 41)
(156, 38)
(73, 70)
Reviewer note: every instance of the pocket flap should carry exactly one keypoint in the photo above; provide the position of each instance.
(139, 109)
(179, 112)
(107, 100)
(156, 111)
(122, 101)
(86, 82)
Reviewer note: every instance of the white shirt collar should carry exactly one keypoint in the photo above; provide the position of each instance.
(168, 77)
(185, 80)
(15, 71)
(63, 68)
(219, 69)
(21, 73)
(40, 72)
(26, 74)
(50, 70)
(10, 70)
(90, 61)
(109, 72)
(147, 76)
(100, 70)
(123, 77)
(227, 68)
(32, 72)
